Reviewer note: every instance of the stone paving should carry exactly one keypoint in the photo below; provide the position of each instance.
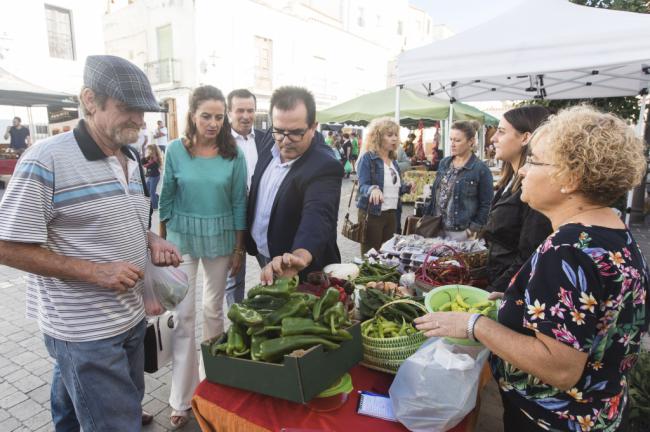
(25, 367)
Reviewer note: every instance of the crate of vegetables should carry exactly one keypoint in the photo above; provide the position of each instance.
(284, 343)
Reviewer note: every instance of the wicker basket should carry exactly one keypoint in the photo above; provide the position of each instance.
(388, 354)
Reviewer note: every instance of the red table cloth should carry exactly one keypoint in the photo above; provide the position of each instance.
(222, 408)
(7, 166)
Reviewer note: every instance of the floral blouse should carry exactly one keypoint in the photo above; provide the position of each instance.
(586, 287)
(445, 193)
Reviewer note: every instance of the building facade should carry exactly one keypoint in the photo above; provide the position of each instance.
(339, 49)
(46, 43)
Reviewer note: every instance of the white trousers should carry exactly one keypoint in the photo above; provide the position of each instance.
(185, 365)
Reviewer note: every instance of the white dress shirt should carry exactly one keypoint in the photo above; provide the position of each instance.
(248, 146)
(270, 182)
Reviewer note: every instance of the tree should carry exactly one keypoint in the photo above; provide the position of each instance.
(641, 6)
(625, 107)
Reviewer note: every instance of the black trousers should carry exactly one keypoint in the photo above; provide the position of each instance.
(379, 229)
(516, 421)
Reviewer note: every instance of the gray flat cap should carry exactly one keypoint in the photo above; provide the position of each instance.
(120, 79)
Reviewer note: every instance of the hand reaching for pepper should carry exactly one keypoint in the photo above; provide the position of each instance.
(287, 265)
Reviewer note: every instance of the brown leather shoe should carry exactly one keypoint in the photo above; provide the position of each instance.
(146, 418)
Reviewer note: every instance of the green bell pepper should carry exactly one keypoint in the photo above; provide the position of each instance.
(216, 348)
(335, 316)
(292, 326)
(294, 307)
(310, 299)
(326, 301)
(256, 342)
(244, 316)
(281, 288)
(265, 302)
(236, 345)
(275, 349)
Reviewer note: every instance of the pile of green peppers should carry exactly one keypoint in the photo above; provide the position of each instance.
(275, 320)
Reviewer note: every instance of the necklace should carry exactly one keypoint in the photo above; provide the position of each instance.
(571, 218)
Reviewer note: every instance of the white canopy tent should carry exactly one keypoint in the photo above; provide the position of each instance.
(544, 49)
(550, 49)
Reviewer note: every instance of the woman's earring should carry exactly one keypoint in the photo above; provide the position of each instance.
(563, 190)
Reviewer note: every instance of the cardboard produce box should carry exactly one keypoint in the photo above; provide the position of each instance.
(297, 379)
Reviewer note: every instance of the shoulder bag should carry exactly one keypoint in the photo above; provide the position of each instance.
(356, 231)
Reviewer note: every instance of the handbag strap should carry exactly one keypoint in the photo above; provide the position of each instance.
(354, 185)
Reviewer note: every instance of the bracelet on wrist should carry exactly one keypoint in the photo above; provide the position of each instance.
(239, 251)
(471, 323)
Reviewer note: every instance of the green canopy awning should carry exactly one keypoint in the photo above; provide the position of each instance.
(413, 108)
(15, 91)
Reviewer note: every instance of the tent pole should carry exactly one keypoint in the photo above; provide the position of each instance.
(447, 146)
(398, 89)
(32, 128)
(630, 206)
(481, 142)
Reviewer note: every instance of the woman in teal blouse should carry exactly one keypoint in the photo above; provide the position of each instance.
(203, 212)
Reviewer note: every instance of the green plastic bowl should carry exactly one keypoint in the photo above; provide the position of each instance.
(439, 296)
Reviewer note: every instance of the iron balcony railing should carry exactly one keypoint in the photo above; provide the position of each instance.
(165, 71)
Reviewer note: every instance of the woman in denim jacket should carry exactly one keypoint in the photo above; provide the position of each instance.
(463, 190)
(380, 183)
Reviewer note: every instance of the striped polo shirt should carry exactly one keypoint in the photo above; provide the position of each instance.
(67, 196)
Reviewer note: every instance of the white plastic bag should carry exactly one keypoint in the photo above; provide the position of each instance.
(164, 287)
(152, 306)
(436, 387)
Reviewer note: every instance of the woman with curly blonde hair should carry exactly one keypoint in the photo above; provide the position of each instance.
(380, 183)
(570, 324)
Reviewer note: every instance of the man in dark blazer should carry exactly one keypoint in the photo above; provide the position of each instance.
(294, 197)
(242, 105)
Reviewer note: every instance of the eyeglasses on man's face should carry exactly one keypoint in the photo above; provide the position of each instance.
(531, 162)
(294, 135)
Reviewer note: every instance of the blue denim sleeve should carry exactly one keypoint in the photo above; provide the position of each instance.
(363, 170)
(485, 194)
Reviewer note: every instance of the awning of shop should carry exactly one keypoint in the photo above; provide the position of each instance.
(15, 91)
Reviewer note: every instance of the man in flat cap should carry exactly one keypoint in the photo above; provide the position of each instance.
(75, 216)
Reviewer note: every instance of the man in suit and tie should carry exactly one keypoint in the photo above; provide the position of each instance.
(294, 196)
(242, 105)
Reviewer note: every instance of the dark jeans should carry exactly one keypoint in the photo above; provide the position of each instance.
(235, 285)
(379, 229)
(152, 184)
(516, 421)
